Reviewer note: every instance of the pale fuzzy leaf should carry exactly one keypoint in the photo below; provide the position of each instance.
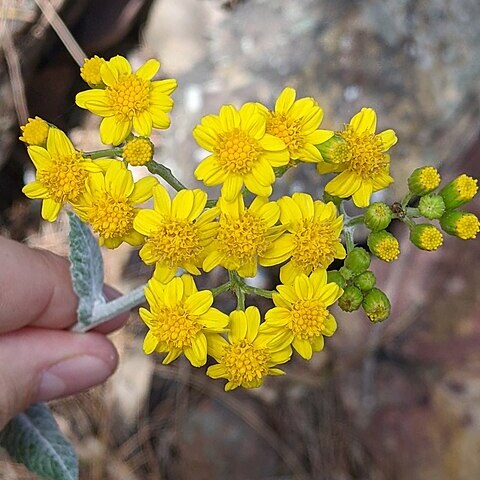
(86, 268)
(33, 439)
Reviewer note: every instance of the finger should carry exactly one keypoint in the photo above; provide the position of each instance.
(117, 322)
(36, 289)
(40, 365)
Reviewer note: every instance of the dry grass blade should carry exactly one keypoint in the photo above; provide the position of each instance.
(62, 31)
(14, 72)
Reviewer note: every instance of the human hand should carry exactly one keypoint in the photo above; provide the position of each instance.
(40, 359)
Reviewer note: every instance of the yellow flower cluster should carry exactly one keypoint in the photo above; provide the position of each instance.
(243, 230)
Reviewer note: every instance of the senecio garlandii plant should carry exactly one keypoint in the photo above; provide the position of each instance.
(247, 151)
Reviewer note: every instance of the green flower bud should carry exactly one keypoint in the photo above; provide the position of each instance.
(351, 299)
(377, 216)
(464, 225)
(335, 150)
(358, 260)
(346, 273)
(384, 245)
(431, 206)
(366, 281)
(424, 180)
(426, 236)
(336, 277)
(376, 305)
(459, 191)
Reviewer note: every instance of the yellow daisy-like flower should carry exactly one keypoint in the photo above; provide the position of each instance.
(177, 231)
(242, 153)
(300, 316)
(109, 204)
(90, 72)
(244, 235)
(296, 123)
(35, 132)
(312, 240)
(130, 101)
(178, 319)
(365, 165)
(248, 356)
(61, 173)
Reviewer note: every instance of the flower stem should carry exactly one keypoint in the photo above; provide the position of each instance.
(262, 292)
(406, 199)
(166, 174)
(106, 311)
(357, 220)
(238, 285)
(107, 153)
(225, 287)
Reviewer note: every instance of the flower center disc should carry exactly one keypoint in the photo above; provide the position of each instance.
(288, 130)
(129, 97)
(242, 238)
(176, 327)
(175, 242)
(65, 180)
(307, 318)
(236, 151)
(367, 159)
(245, 363)
(314, 245)
(112, 218)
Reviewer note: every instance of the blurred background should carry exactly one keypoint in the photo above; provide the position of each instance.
(399, 400)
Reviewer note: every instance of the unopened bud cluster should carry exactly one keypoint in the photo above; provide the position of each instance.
(358, 283)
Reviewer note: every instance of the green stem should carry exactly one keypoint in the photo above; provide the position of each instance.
(225, 287)
(406, 199)
(106, 311)
(169, 177)
(357, 220)
(107, 153)
(348, 233)
(239, 287)
(166, 174)
(349, 228)
(262, 292)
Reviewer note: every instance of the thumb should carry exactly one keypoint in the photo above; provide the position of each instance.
(39, 365)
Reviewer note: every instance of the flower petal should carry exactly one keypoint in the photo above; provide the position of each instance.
(303, 347)
(149, 343)
(388, 138)
(344, 184)
(199, 302)
(232, 187)
(361, 198)
(285, 100)
(35, 190)
(252, 322)
(197, 353)
(58, 144)
(237, 326)
(364, 121)
(143, 190)
(50, 209)
(148, 70)
(142, 123)
(147, 221)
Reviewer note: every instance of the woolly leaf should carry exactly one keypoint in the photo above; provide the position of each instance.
(86, 268)
(33, 439)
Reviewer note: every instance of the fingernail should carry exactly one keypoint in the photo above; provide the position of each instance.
(72, 376)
